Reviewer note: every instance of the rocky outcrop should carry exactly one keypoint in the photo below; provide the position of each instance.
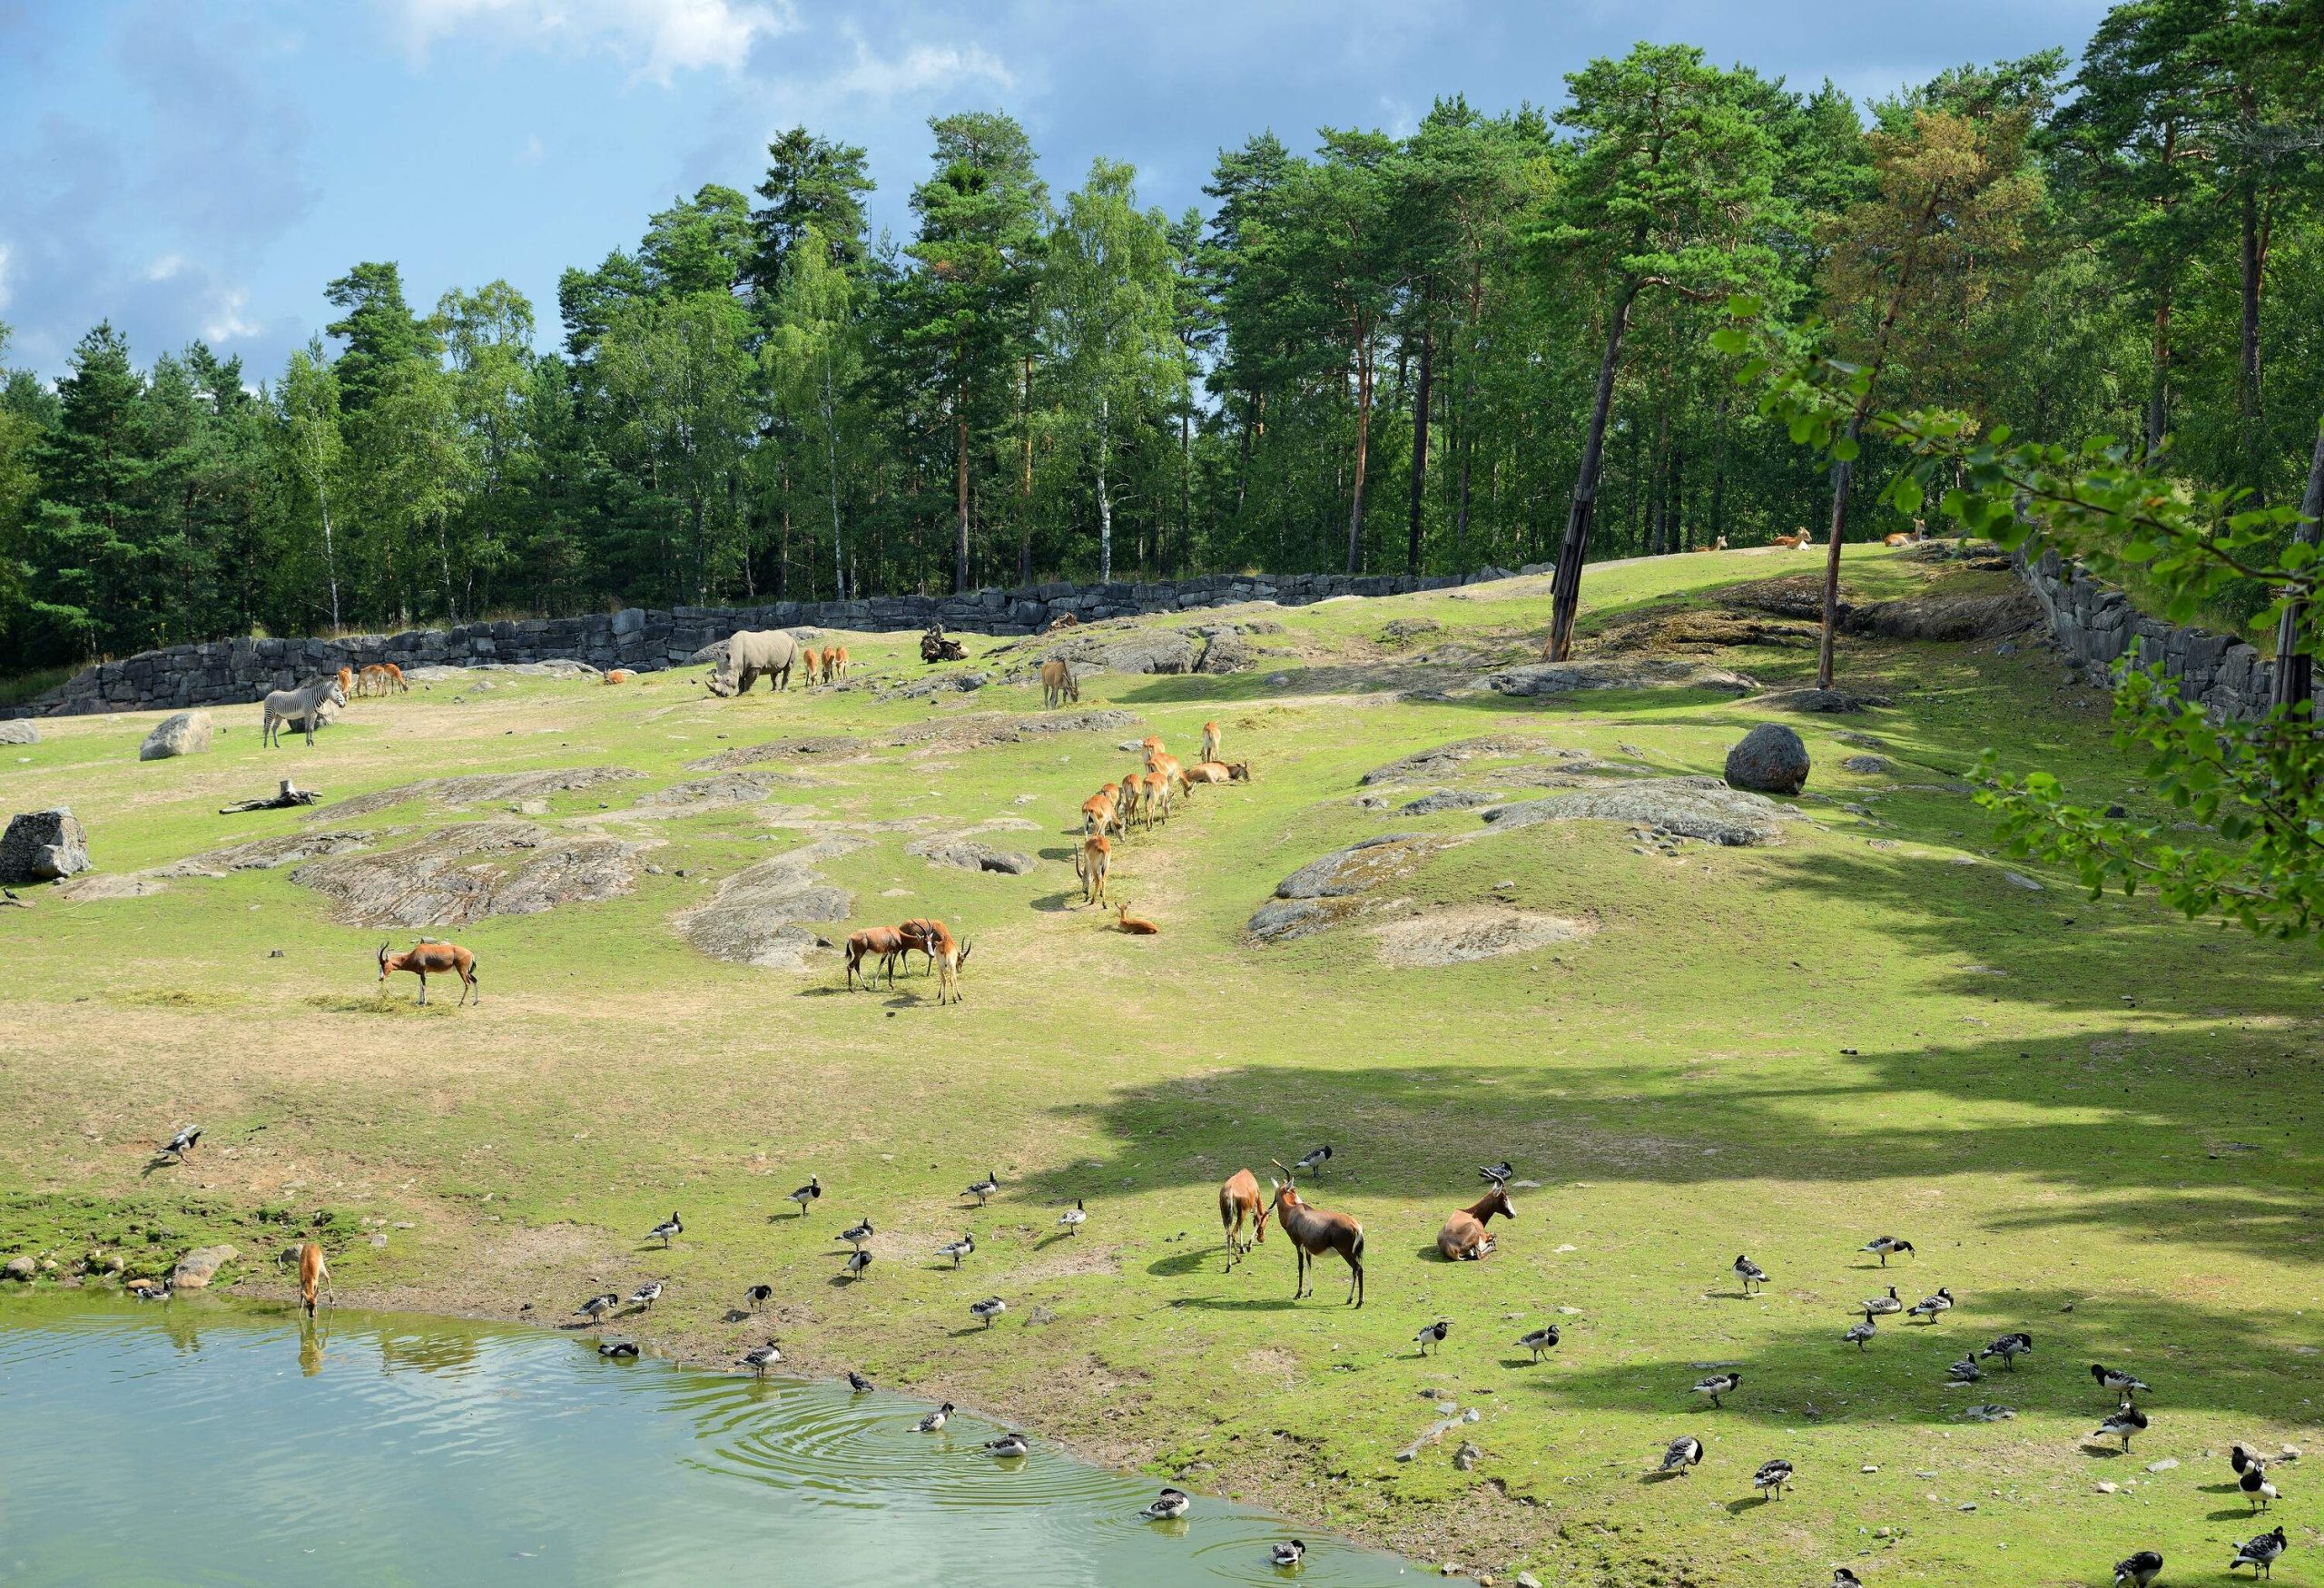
(971, 854)
(199, 1267)
(43, 846)
(2096, 628)
(482, 788)
(763, 916)
(1769, 759)
(1701, 808)
(464, 872)
(185, 734)
(1641, 672)
(1225, 651)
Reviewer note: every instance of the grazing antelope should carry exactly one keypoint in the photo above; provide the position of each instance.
(312, 1271)
(1463, 1237)
(1058, 682)
(1210, 741)
(1091, 862)
(1168, 766)
(445, 959)
(812, 660)
(886, 941)
(1313, 1232)
(1237, 1198)
(1132, 924)
(1134, 806)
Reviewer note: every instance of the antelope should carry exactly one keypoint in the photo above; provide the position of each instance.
(1091, 862)
(1062, 620)
(1134, 807)
(426, 955)
(886, 941)
(1463, 1237)
(1717, 545)
(1202, 772)
(1131, 924)
(834, 663)
(618, 676)
(1168, 766)
(1097, 814)
(1151, 745)
(945, 956)
(1794, 541)
(384, 678)
(312, 1271)
(1898, 539)
(1313, 1232)
(1058, 682)
(1157, 798)
(346, 679)
(1210, 741)
(812, 659)
(1238, 1198)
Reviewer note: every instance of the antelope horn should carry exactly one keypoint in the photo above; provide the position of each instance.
(1286, 1173)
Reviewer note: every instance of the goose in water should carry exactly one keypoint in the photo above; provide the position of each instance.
(1887, 1245)
(1751, 1273)
(1717, 1385)
(1772, 1476)
(2261, 1554)
(857, 1261)
(1681, 1453)
(759, 1358)
(1860, 1335)
(807, 1193)
(1286, 1554)
(1074, 1218)
(1315, 1160)
(983, 1189)
(1168, 1505)
(956, 1249)
(934, 1422)
(1008, 1448)
(1882, 1305)
(2125, 1421)
(1432, 1334)
(2139, 1570)
(161, 1292)
(858, 1383)
(1540, 1340)
(856, 1234)
(647, 1293)
(2120, 1383)
(990, 1307)
(624, 1349)
(1928, 1306)
(2009, 1348)
(668, 1229)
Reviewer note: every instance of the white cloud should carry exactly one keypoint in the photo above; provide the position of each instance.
(654, 38)
(165, 267)
(919, 69)
(225, 320)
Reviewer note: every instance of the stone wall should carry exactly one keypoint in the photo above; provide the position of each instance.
(236, 671)
(2096, 625)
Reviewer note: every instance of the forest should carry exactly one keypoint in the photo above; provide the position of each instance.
(1427, 352)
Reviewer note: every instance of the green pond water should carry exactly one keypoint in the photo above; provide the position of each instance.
(205, 1442)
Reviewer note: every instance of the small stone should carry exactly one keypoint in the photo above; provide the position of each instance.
(1967, 1505)
(1466, 1458)
(1038, 1317)
(2105, 1488)
(20, 1269)
(1869, 1466)
(2165, 1464)
(1527, 1580)
(199, 1267)
(2016, 881)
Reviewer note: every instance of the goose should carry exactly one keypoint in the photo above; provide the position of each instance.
(1008, 1448)
(161, 1292)
(1681, 1453)
(647, 1293)
(2261, 1554)
(1074, 1218)
(1928, 1306)
(1286, 1554)
(1168, 1505)
(808, 1193)
(2239, 1458)
(597, 1306)
(1887, 1245)
(1882, 1305)
(622, 1348)
(759, 1358)
(857, 1234)
(1540, 1340)
(1717, 1385)
(2126, 1421)
(758, 1295)
(1432, 1334)
(2009, 1348)
(1772, 1474)
(934, 1422)
(2139, 1569)
(1315, 1160)
(990, 1307)
(956, 1249)
(1751, 1273)
(664, 1231)
(985, 1188)
(1496, 1173)
(857, 1382)
(1965, 1371)
(2116, 1380)
(1844, 1578)
(2255, 1486)
(857, 1261)
(1860, 1335)
(183, 1142)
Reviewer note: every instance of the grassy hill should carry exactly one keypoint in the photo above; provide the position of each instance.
(2092, 1119)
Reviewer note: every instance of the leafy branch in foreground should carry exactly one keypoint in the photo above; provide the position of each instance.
(2258, 786)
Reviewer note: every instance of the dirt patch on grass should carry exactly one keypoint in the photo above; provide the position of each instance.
(1461, 933)
(482, 788)
(1698, 630)
(758, 916)
(984, 729)
(100, 890)
(466, 872)
(1614, 673)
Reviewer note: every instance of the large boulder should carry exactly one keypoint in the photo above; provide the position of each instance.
(199, 1267)
(1346, 870)
(43, 846)
(19, 730)
(1612, 673)
(970, 854)
(185, 734)
(766, 915)
(1770, 759)
(1701, 808)
(1227, 652)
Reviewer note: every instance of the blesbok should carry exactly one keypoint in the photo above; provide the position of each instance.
(1058, 682)
(886, 941)
(303, 705)
(1091, 862)
(1097, 815)
(1239, 1199)
(312, 1271)
(429, 956)
(1124, 921)
(945, 955)
(1210, 741)
(1463, 1237)
(1313, 1232)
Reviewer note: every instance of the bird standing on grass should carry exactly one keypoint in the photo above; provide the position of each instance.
(984, 1189)
(807, 1193)
(647, 1293)
(1315, 1160)
(2255, 1487)
(1928, 1306)
(1886, 1246)
(183, 1142)
(956, 1249)
(1861, 1333)
(759, 1358)
(2009, 1348)
(1540, 1340)
(1717, 1385)
(1074, 1218)
(857, 1261)
(2120, 1383)
(1844, 1578)
(1432, 1334)
(597, 1306)
(757, 1295)
(1772, 1476)
(1168, 1505)
(1681, 1453)
(1751, 1273)
(2126, 1421)
(668, 1229)
(990, 1307)
(2139, 1570)
(934, 1422)
(2261, 1554)
(856, 1234)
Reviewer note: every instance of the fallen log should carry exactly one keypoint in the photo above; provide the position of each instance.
(286, 799)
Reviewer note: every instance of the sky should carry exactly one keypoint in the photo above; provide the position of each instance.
(199, 168)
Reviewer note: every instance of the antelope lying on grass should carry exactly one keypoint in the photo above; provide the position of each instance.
(1131, 924)
(312, 1271)
(1794, 541)
(1058, 684)
(1238, 1198)
(426, 956)
(1463, 1237)
(1091, 862)
(1314, 1232)
(619, 676)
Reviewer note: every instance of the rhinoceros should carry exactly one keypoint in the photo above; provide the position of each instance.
(751, 652)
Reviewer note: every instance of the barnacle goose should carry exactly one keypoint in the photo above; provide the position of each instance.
(1772, 1474)
(1717, 1385)
(808, 1193)
(1882, 1305)
(668, 1227)
(2255, 1486)
(647, 1293)
(2116, 1380)
(1886, 1246)
(1540, 1340)
(935, 1420)
(1074, 1218)
(1751, 1273)
(1684, 1452)
(956, 1249)
(1008, 1448)
(2009, 1348)
(857, 1261)
(1860, 1335)
(2139, 1570)
(1315, 1160)
(1432, 1334)
(1168, 1505)
(856, 1234)
(759, 1358)
(2261, 1554)
(2126, 1421)
(757, 1295)
(1286, 1554)
(1928, 1306)
(984, 1187)
(990, 1307)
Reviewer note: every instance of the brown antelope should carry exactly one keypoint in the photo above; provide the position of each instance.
(1210, 741)
(1898, 539)
(618, 676)
(1204, 771)
(1152, 746)
(1239, 1199)
(1058, 682)
(1091, 862)
(1463, 1237)
(444, 959)
(886, 941)
(1793, 541)
(813, 661)
(312, 1271)
(1135, 807)
(1062, 620)
(381, 678)
(1168, 766)
(1157, 798)
(346, 679)
(945, 956)
(1313, 1232)
(834, 663)
(1131, 924)
(1717, 545)
(1097, 815)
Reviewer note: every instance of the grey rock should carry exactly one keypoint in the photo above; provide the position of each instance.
(970, 854)
(1280, 920)
(43, 846)
(1867, 764)
(1227, 652)
(1823, 700)
(19, 731)
(1344, 871)
(1770, 759)
(1446, 799)
(1535, 678)
(757, 917)
(438, 881)
(199, 1267)
(1465, 1458)
(1702, 808)
(20, 1269)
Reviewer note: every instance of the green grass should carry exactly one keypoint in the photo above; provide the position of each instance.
(2093, 1119)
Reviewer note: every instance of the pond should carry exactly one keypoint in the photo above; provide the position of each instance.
(206, 1443)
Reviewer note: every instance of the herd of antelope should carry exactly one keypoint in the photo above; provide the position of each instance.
(1145, 798)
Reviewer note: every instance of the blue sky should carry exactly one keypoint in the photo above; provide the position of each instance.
(201, 169)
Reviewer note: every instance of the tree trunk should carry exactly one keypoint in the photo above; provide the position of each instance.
(1567, 598)
(2250, 339)
(1250, 428)
(1420, 447)
(2295, 684)
(2158, 402)
(1025, 476)
(1363, 450)
(1104, 494)
(330, 554)
(830, 463)
(960, 472)
(1843, 481)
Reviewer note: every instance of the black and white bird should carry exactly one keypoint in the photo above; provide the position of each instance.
(1009, 1447)
(758, 1295)
(161, 1292)
(2255, 1486)
(2239, 1458)
(668, 1230)
(1432, 1334)
(183, 1142)
(857, 1261)
(858, 1383)
(647, 1293)
(1286, 1554)
(1928, 1306)
(1717, 1385)
(2261, 1554)
(2009, 1348)
(624, 1349)
(1860, 1335)
(990, 1307)
(983, 1189)
(1496, 1174)
(1168, 1505)
(808, 1193)
(1751, 1273)
(2126, 1420)
(1542, 1339)
(1965, 1371)
(597, 1306)
(1772, 1474)
(759, 1358)
(1883, 1306)
(856, 1234)
(1844, 1578)
(1315, 1160)
(2116, 1380)
(1074, 1218)
(956, 1249)
(1681, 1453)
(2139, 1570)
(934, 1422)
(1887, 1245)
